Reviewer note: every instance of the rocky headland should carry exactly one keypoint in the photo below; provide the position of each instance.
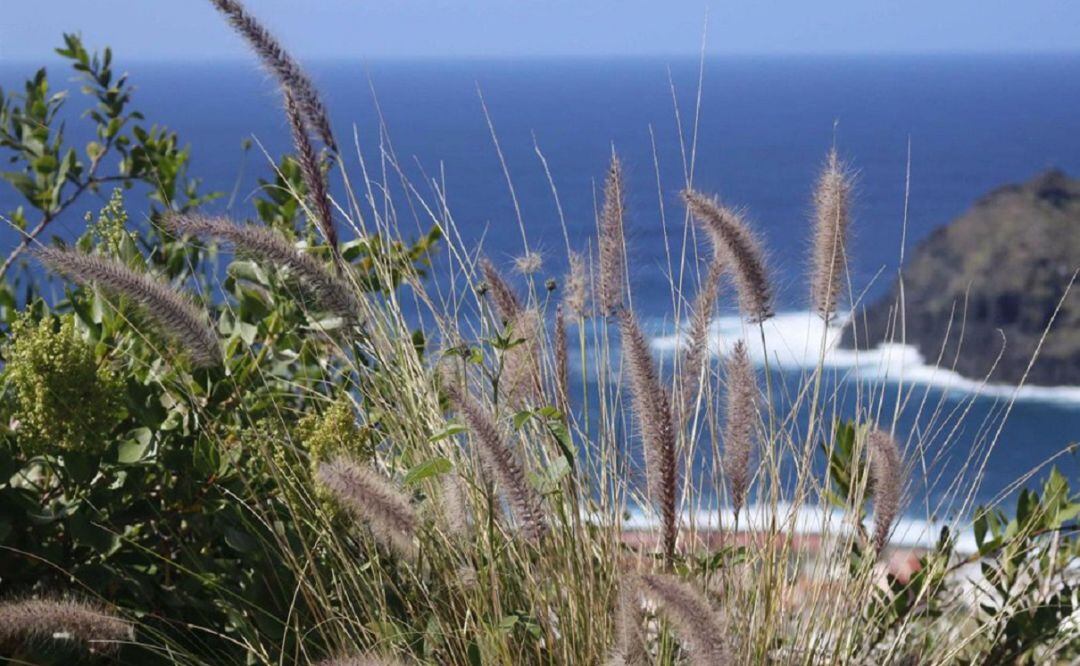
(988, 284)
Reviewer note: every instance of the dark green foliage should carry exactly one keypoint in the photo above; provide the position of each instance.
(129, 475)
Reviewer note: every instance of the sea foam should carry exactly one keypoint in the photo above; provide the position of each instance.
(811, 520)
(794, 341)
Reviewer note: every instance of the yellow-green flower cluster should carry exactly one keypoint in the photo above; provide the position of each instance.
(334, 431)
(65, 399)
(110, 229)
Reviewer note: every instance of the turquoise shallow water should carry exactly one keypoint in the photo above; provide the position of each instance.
(973, 123)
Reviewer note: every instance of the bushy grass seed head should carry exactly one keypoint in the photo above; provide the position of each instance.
(500, 461)
(330, 291)
(503, 296)
(741, 418)
(653, 409)
(887, 476)
(612, 242)
(373, 498)
(312, 172)
(738, 247)
(576, 286)
(696, 351)
(176, 316)
(692, 616)
(86, 626)
(831, 220)
(281, 64)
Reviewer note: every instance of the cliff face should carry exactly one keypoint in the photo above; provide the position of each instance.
(997, 273)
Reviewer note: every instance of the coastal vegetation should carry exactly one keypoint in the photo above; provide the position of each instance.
(290, 440)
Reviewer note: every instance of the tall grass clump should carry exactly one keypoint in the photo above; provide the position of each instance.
(489, 473)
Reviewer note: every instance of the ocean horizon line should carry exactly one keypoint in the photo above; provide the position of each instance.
(780, 57)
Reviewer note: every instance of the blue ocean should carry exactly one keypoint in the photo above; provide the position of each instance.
(757, 136)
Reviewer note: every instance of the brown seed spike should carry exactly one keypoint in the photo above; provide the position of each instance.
(831, 221)
(575, 287)
(277, 60)
(630, 648)
(331, 291)
(502, 294)
(500, 461)
(311, 170)
(374, 499)
(88, 626)
(612, 241)
(887, 475)
(562, 363)
(739, 429)
(693, 617)
(176, 316)
(696, 352)
(742, 252)
(653, 409)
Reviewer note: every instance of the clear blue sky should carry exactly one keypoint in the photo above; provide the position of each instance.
(189, 29)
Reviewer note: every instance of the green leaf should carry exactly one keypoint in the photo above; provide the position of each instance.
(81, 467)
(45, 164)
(133, 449)
(521, 417)
(507, 623)
(427, 469)
(449, 431)
(240, 541)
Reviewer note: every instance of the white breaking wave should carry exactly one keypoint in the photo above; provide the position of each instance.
(813, 521)
(796, 340)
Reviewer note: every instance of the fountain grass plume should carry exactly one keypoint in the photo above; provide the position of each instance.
(630, 648)
(575, 286)
(529, 263)
(562, 363)
(500, 461)
(696, 350)
(175, 315)
(311, 170)
(87, 626)
(653, 409)
(276, 59)
(692, 616)
(453, 508)
(331, 291)
(503, 296)
(739, 427)
(887, 475)
(611, 242)
(521, 378)
(741, 251)
(831, 220)
(373, 498)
